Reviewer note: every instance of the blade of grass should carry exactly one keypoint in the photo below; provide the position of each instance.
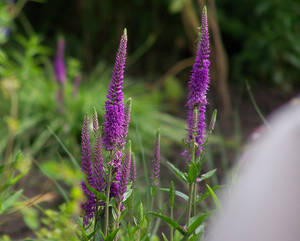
(58, 186)
(255, 104)
(74, 161)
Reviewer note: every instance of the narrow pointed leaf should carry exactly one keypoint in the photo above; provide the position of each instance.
(177, 193)
(214, 196)
(170, 221)
(177, 172)
(98, 194)
(207, 175)
(164, 237)
(197, 222)
(112, 235)
(207, 193)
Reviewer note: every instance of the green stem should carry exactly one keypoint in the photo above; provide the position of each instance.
(107, 202)
(194, 199)
(118, 221)
(171, 228)
(191, 187)
(97, 234)
(151, 210)
(131, 208)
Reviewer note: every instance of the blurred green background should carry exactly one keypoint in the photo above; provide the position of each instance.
(255, 42)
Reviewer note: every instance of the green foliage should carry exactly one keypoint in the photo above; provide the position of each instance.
(30, 216)
(266, 48)
(170, 221)
(61, 224)
(10, 173)
(49, 133)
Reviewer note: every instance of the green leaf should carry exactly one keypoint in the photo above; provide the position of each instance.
(112, 235)
(194, 237)
(194, 171)
(98, 194)
(207, 175)
(59, 187)
(6, 204)
(172, 193)
(164, 237)
(30, 217)
(127, 194)
(196, 222)
(16, 179)
(83, 233)
(176, 171)
(170, 221)
(177, 193)
(214, 196)
(207, 193)
(141, 214)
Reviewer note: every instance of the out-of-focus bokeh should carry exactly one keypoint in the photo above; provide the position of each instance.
(255, 55)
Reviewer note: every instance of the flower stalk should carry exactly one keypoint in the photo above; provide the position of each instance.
(106, 224)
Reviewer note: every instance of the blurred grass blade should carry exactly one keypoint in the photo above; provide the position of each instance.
(255, 104)
(74, 161)
(59, 187)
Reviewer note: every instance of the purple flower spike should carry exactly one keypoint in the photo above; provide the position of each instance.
(59, 62)
(90, 206)
(86, 163)
(98, 158)
(125, 172)
(95, 123)
(114, 106)
(198, 85)
(156, 161)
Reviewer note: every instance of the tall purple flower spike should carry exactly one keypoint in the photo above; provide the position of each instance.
(90, 206)
(59, 62)
(198, 85)
(125, 172)
(156, 161)
(86, 166)
(98, 157)
(114, 106)
(86, 157)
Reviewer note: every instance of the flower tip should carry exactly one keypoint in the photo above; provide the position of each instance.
(158, 134)
(125, 32)
(205, 10)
